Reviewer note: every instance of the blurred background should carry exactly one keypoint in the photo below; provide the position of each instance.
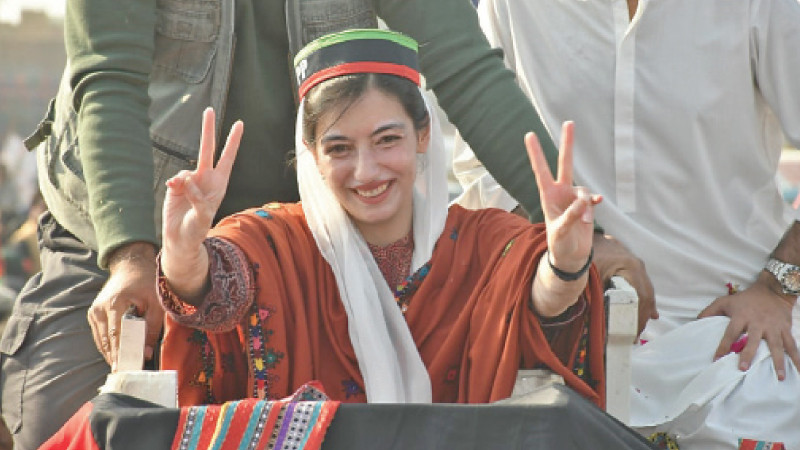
(31, 61)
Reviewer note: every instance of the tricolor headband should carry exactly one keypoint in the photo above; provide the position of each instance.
(356, 51)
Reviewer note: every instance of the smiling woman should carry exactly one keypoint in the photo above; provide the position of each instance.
(368, 152)
(371, 285)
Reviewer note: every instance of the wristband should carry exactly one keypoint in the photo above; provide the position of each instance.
(571, 276)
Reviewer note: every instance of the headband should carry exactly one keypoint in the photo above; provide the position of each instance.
(356, 51)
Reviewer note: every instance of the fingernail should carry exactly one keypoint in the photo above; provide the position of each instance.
(148, 352)
(744, 366)
(781, 375)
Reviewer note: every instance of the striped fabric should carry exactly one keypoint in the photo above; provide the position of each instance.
(294, 423)
(751, 444)
(356, 51)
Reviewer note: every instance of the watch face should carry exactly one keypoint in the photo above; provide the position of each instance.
(791, 280)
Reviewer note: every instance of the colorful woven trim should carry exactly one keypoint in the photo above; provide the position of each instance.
(297, 422)
(404, 291)
(356, 51)
(752, 444)
(664, 441)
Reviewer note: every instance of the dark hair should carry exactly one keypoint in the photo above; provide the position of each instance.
(341, 92)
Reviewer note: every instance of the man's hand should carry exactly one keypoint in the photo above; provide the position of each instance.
(761, 311)
(132, 282)
(612, 258)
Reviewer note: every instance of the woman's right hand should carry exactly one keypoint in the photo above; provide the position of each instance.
(192, 200)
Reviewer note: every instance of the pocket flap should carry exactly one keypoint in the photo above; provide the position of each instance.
(14, 333)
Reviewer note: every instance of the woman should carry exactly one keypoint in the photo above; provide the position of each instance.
(371, 284)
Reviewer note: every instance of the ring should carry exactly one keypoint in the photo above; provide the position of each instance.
(112, 332)
(104, 343)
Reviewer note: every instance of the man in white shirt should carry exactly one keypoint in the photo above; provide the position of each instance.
(679, 107)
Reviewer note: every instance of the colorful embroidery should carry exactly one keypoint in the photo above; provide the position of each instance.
(751, 444)
(454, 234)
(309, 392)
(206, 374)
(257, 424)
(451, 376)
(508, 247)
(664, 441)
(263, 214)
(580, 366)
(351, 388)
(229, 298)
(394, 260)
(404, 292)
(262, 358)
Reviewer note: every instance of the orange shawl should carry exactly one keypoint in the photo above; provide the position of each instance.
(469, 315)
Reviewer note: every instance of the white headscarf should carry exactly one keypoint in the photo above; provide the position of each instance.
(387, 356)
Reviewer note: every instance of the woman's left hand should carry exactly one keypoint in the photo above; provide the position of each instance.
(568, 210)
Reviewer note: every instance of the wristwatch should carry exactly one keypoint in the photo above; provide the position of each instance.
(788, 275)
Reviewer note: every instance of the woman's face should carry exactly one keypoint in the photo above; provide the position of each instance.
(367, 155)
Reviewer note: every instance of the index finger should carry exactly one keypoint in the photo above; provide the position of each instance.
(205, 160)
(732, 332)
(98, 325)
(544, 178)
(114, 328)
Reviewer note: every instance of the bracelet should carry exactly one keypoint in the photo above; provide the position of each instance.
(571, 276)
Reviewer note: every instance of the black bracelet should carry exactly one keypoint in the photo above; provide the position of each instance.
(571, 276)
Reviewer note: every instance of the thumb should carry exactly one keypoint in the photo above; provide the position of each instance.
(714, 309)
(204, 205)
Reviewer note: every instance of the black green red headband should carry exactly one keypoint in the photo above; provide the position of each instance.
(356, 51)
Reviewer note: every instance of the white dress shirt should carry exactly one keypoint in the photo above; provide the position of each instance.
(678, 117)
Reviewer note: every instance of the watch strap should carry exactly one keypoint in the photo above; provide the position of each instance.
(788, 275)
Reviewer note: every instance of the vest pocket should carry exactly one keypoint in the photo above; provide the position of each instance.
(185, 41)
(14, 333)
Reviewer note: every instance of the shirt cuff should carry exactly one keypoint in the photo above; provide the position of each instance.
(231, 294)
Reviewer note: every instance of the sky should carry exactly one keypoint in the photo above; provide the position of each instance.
(11, 10)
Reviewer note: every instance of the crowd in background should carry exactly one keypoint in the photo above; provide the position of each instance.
(20, 205)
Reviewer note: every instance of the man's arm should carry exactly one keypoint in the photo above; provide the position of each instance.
(478, 93)
(110, 52)
(132, 283)
(762, 311)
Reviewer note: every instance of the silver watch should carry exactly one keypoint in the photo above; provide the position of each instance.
(788, 275)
